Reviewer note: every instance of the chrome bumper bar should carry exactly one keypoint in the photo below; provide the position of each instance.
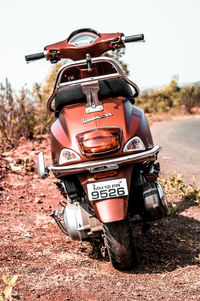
(98, 165)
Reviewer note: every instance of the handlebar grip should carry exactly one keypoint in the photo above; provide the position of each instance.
(35, 56)
(135, 38)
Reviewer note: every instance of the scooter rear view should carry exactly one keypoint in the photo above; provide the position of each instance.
(102, 149)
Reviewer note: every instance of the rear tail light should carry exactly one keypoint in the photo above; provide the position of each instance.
(99, 141)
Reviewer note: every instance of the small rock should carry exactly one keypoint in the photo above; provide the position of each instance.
(19, 161)
(37, 200)
(27, 235)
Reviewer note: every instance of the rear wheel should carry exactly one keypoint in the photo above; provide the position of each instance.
(120, 244)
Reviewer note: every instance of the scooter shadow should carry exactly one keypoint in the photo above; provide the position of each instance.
(170, 243)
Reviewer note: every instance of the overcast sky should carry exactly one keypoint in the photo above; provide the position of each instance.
(171, 29)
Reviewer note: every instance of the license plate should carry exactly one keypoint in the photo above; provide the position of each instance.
(107, 189)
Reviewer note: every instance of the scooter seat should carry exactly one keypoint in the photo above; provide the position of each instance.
(107, 88)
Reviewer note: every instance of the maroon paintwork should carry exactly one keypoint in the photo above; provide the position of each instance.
(104, 43)
(132, 122)
(129, 118)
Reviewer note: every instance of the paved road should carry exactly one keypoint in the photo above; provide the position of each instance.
(180, 140)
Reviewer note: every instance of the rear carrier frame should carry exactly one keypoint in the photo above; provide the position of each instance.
(88, 86)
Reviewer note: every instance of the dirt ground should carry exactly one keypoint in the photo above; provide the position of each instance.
(53, 267)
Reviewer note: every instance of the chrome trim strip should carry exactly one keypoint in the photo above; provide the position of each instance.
(88, 79)
(87, 166)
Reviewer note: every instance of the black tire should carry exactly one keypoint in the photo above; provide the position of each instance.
(119, 242)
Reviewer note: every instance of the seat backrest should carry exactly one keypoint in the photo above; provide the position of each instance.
(107, 89)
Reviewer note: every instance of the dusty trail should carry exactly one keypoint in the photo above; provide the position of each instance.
(52, 267)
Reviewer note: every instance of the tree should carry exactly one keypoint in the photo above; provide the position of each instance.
(41, 93)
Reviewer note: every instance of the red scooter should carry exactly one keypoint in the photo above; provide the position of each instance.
(102, 149)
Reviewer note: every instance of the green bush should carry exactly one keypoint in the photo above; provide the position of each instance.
(169, 97)
(176, 185)
(161, 100)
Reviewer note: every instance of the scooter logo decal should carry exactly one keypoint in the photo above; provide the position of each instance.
(97, 117)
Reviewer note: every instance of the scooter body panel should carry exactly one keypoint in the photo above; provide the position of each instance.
(121, 113)
(118, 112)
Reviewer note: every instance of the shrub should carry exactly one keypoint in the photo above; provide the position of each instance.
(17, 114)
(190, 97)
(161, 100)
(176, 185)
(7, 293)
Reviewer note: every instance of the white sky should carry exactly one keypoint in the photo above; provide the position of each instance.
(171, 29)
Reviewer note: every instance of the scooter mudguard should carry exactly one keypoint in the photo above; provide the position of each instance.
(112, 209)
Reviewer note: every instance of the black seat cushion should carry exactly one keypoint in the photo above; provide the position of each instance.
(107, 88)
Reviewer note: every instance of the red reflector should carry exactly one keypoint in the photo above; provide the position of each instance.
(105, 174)
(99, 140)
